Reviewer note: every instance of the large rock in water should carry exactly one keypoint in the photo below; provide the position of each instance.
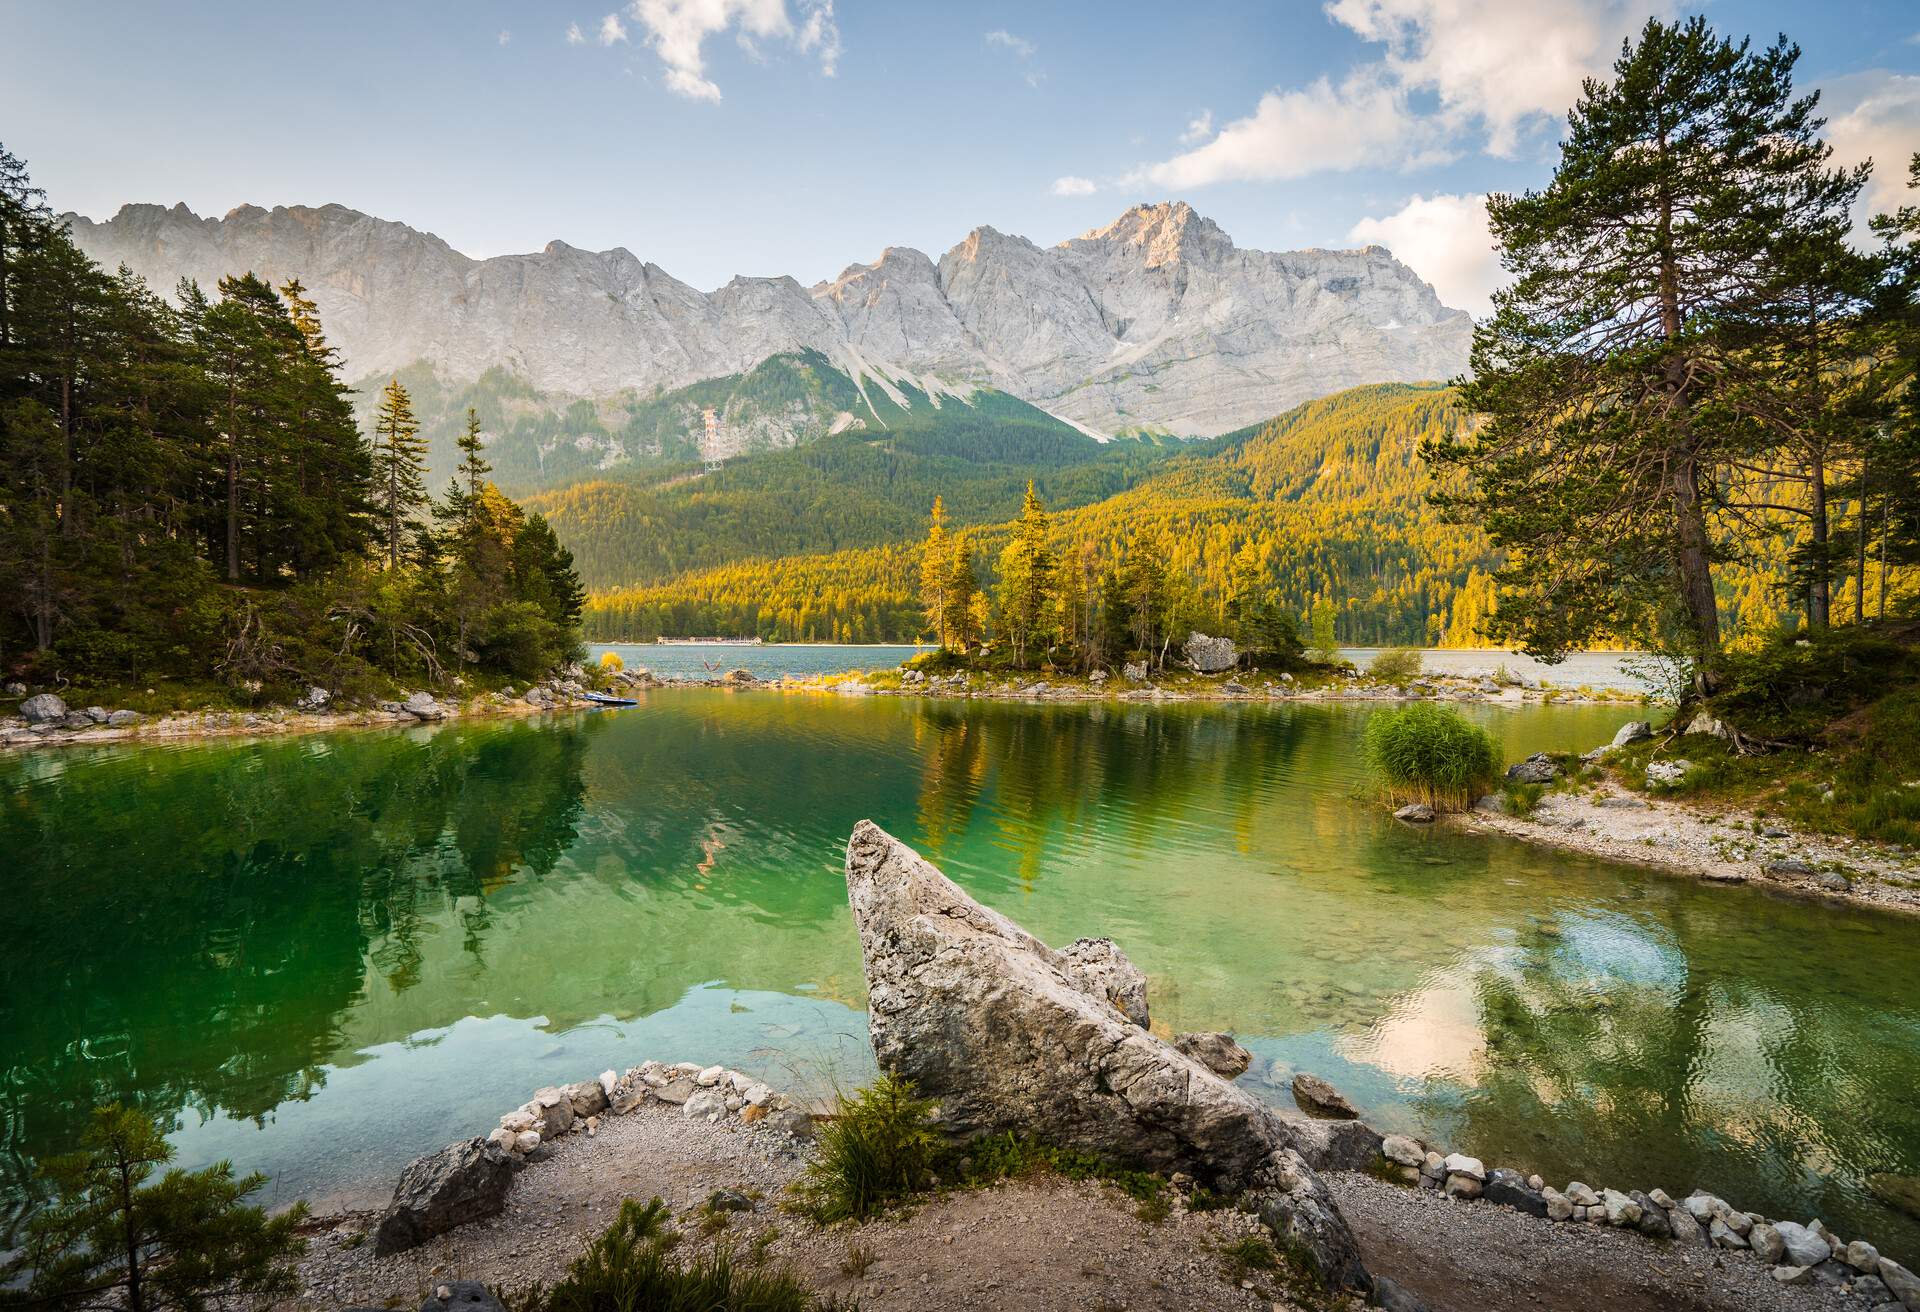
(462, 1182)
(1010, 1036)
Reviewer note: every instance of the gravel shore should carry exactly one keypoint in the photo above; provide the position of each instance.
(1720, 845)
(1481, 1257)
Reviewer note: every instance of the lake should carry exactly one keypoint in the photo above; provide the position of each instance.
(700, 660)
(319, 956)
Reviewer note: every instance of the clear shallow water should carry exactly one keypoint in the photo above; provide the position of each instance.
(321, 956)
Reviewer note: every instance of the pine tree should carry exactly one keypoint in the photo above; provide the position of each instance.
(1644, 272)
(115, 1237)
(1026, 571)
(936, 565)
(399, 467)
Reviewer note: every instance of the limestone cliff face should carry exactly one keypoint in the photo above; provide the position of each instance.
(1155, 321)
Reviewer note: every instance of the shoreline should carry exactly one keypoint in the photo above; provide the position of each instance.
(555, 696)
(1722, 845)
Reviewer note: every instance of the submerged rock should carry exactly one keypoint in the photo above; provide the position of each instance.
(462, 1182)
(1320, 1098)
(1415, 813)
(1008, 1036)
(1218, 1052)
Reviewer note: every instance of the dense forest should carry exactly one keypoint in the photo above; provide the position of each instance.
(185, 494)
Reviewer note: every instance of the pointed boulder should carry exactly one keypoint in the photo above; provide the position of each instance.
(1010, 1036)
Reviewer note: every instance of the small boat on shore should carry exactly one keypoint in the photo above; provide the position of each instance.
(603, 699)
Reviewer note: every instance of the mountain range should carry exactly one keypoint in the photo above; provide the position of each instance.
(1156, 323)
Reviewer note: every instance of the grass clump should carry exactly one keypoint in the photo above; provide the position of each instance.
(856, 1260)
(1248, 1255)
(878, 1148)
(1520, 799)
(632, 1266)
(1397, 665)
(1431, 754)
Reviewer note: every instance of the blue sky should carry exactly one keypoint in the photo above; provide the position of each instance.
(717, 137)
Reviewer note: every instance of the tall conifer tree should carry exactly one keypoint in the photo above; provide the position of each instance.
(399, 468)
(1643, 272)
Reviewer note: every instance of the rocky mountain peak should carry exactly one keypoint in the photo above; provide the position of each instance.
(1155, 321)
(1161, 234)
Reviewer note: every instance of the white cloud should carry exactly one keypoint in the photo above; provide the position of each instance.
(1199, 128)
(1363, 122)
(505, 36)
(1876, 116)
(575, 37)
(1500, 64)
(1493, 69)
(1445, 240)
(612, 30)
(1072, 186)
(1020, 46)
(677, 29)
(1023, 50)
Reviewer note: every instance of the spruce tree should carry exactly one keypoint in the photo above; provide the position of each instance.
(1645, 275)
(399, 469)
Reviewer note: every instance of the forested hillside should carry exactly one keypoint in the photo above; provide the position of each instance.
(1329, 497)
(852, 489)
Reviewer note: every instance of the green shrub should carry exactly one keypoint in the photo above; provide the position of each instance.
(878, 1148)
(1796, 685)
(632, 1266)
(1426, 753)
(1395, 666)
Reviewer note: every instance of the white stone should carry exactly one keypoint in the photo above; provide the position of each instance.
(709, 1077)
(1620, 1209)
(705, 1103)
(526, 1141)
(1582, 1196)
(1400, 1149)
(1803, 1246)
(1461, 1164)
(607, 1082)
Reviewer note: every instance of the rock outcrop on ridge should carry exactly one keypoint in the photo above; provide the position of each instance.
(1156, 321)
(1009, 1035)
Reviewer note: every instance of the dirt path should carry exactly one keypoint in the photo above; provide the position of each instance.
(1030, 1244)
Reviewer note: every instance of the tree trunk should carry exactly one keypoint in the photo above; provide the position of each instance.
(1694, 567)
(1819, 592)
